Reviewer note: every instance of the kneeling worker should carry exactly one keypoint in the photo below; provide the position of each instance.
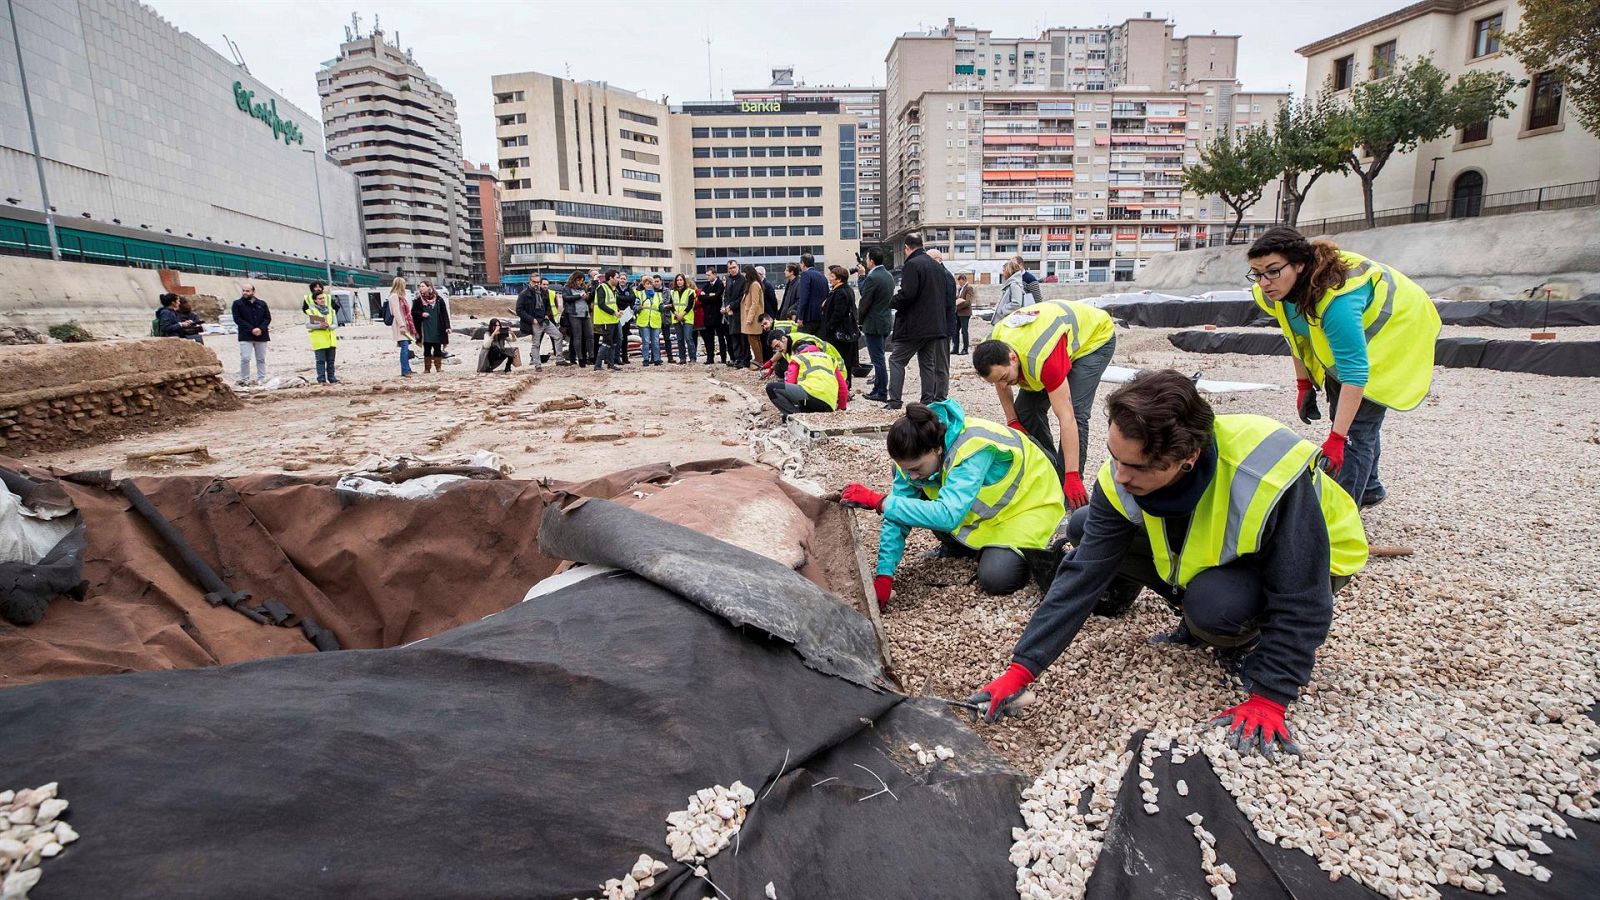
(1055, 352)
(813, 382)
(984, 489)
(1229, 519)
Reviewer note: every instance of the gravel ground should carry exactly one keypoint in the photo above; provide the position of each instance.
(1445, 716)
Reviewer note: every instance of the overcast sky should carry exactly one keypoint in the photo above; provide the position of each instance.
(659, 47)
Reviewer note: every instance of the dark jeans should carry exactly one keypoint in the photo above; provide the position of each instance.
(606, 338)
(620, 344)
(1222, 606)
(851, 352)
(1359, 474)
(1005, 570)
(1033, 407)
(792, 398)
(709, 336)
(580, 339)
(325, 358)
(880, 374)
(962, 341)
(433, 349)
(929, 352)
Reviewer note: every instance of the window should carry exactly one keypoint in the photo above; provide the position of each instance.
(636, 117)
(640, 176)
(1545, 109)
(641, 195)
(1344, 74)
(1486, 35)
(1383, 60)
(701, 133)
(1477, 131)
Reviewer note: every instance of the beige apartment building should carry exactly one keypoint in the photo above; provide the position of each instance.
(1068, 148)
(1540, 153)
(866, 105)
(765, 182)
(585, 176)
(396, 129)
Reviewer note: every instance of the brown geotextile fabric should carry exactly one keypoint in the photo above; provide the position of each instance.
(376, 571)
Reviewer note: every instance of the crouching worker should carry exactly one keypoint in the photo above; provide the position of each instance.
(813, 382)
(984, 489)
(1226, 517)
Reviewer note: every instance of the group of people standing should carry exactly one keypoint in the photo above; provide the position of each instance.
(1242, 527)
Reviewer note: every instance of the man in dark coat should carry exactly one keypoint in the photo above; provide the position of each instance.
(811, 289)
(876, 317)
(732, 296)
(919, 325)
(950, 323)
(712, 328)
(253, 319)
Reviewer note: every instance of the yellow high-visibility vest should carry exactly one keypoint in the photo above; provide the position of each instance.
(647, 310)
(1257, 460)
(683, 304)
(1032, 332)
(1401, 324)
(819, 376)
(1020, 510)
(321, 338)
(605, 305)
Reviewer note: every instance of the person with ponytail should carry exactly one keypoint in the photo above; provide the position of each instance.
(984, 489)
(1358, 328)
(1230, 521)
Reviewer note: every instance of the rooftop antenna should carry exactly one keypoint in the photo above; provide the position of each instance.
(238, 56)
(377, 27)
(355, 23)
(709, 91)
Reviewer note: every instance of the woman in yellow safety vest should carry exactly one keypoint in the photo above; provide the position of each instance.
(984, 489)
(320, 325)
(812, 382)
(1226, 517)
(1362, 330)
(603, 306)
(647, 303)
(683, 319)
(1053, 353)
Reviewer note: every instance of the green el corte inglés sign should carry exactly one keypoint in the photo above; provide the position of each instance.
(268, 114)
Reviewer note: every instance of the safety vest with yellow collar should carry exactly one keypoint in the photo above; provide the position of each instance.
(1023, 508)
(551, 301)
(818, 376)
(605, 305)
(647, 310)
(683, 305)
(1257, 460)
(797, 337)
(1400, 322)
(1032, 332)
(318, 315)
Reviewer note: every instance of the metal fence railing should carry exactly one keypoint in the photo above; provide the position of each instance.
(1559, 196)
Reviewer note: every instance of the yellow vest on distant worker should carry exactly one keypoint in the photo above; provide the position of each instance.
(1257, 460)
(797, 337)
(683, 305)
(605, 305)
(647, 310)
(819, 376)
(553, 303)
(321, 338)
(1023, 508)
(1401, 324)
(1033, 331)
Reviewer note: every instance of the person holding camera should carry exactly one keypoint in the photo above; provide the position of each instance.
(498, 347)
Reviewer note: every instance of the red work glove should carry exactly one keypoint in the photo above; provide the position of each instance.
(1257, 724)
(1017, 424)
(882, 585)
(861, 497)
(1333, 453)
(1305, 400)
(1000, 692)
(1072, 487)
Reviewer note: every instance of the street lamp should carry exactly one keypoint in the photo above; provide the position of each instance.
(322, 224)
(1427, 214)
(33, 132)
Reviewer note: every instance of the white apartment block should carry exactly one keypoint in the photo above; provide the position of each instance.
(1067, 149)
(397, 130)
(1541, 156)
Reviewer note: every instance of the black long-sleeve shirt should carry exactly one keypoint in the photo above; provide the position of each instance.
(1293, 562)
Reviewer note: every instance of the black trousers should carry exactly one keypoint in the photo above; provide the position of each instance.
(928, 352)
(791, 399)
(708, 336)
(435, 350)
(1005, 570)
(1223, 606)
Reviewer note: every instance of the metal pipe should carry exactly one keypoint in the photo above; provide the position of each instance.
(322, 224)
(33, 132)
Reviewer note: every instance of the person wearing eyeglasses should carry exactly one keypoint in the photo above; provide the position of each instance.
(1228, 519)
(1357, 327)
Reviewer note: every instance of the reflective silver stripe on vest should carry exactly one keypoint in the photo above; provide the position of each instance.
(1009, 440)
(1036, 352)
(1072, 326)
(1387, 277)
(1247, 480)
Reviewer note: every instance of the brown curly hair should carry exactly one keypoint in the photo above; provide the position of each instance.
(1322, 268)
(1161, 409)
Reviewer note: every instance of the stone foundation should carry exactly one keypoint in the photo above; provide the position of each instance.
(123, 386)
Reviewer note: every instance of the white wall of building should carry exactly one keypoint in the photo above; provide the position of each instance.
(138, 121)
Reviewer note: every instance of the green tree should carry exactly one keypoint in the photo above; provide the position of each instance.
(1236, 168)
(1414, 105)
(1563, 36)
(1306, 148)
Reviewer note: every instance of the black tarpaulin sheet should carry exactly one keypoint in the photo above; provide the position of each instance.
(27, 588)
(1159, 856)
(1175, 314)
(1521, 313)
(535, 753)
(734, 583)
(1563, 358)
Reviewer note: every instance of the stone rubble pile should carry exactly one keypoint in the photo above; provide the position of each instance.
(31, 831)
